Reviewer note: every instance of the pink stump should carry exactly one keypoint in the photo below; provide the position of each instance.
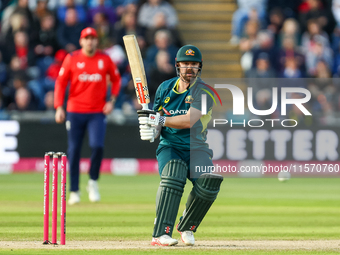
(63, 200)
(54, 198)
(46, 196)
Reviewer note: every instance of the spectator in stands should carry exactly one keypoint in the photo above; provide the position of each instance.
(47, 43)
(24, 100)
(104, 29)
(18, 80)
(291, 68)
(41, 10)
(49, 101)
(164, 70)
(78, 7)
(22, 49)
(117, 55)
(318, 12)
(128, 25)
(314, 30)
(276, 19)
(262, 68)
(68, 33)
(162, 42)
(18, 22)
(288, 55)
(149, 9)
(247, 10)
(247, 43)
(289, 29)
(265, 43)
(318, 51)
(101, 6)
(159, 24)
(52, 71)
(21, 8)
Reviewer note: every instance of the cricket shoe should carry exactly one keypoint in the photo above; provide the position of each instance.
(74, 198)
(164, 240)
(187, 237)
(92, 189)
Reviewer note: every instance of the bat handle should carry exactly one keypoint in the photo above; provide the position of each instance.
(145, 106)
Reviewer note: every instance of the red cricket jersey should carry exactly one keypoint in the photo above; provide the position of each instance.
(88, 89)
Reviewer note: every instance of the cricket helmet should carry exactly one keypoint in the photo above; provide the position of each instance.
(189, 53)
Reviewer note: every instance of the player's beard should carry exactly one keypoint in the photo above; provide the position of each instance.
(186, 77)
(90, 51)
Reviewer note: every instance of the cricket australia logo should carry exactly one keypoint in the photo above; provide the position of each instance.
(190, 52)
(189, 99)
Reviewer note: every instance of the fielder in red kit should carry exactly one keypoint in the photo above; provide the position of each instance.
(86, 70)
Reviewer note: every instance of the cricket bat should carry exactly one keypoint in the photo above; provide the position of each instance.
(137, 70)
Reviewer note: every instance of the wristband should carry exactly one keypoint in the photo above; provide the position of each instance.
(162, 121)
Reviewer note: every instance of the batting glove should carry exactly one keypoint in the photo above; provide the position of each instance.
(148, 117)
(147, 133)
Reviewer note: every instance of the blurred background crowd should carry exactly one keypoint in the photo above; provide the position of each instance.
(36, 35)
(291, 39)
(276, 38)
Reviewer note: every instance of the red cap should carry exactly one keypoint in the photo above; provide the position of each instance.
(87, 32)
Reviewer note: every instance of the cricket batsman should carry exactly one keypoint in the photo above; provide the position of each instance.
(177, 117)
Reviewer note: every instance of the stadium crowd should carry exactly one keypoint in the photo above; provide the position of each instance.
(36, 35)
(291, 39)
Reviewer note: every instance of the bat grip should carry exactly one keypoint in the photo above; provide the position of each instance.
(145, 106)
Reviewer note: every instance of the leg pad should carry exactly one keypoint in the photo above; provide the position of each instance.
(173, 179)
(200, 199)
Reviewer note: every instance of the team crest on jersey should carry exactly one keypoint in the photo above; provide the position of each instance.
(167, 100)
(80, 65)
(100, 64)
(189, 99)
(61, 72)
(190, 52)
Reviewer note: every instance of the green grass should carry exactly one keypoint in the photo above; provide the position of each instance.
(246, 209)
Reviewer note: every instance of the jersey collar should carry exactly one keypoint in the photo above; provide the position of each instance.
(175, 88)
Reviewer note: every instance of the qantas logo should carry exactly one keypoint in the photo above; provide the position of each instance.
(96, 77)
(178, 112)
(167, 229)
(192, 227)
(80, 65)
